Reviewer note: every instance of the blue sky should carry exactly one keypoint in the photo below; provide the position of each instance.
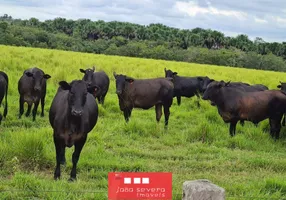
(256, 18)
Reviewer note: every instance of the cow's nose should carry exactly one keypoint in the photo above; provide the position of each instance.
(76, 112)
(37, 88)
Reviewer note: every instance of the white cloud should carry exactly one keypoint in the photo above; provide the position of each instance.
(192, 9)
(261, 21)
(281, 20)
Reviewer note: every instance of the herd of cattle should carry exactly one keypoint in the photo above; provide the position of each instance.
(74, 111)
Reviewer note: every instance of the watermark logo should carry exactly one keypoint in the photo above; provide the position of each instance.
(137, 186)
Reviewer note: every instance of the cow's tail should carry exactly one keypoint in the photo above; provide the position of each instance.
(6, 94)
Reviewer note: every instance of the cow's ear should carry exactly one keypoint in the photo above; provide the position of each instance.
(47, 76)
(29, 74)
(165, 69)
(221, 84)
(82, 71)
(278, 86)
(115, 75)
(64, 85)
(211, 80)
(227, 83)
(175, 73)
(93, 68)
(129, 80)
(93, 89)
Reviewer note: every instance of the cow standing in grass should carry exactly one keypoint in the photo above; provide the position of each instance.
(32, 89)
(245, 87)
(73, 114)
(3, 92)
(234, 104)
(99, 79)
(144, 93)
(188, 86)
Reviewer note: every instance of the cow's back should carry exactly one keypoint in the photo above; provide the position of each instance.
(254, 106)
(186, 86)
(145, 93)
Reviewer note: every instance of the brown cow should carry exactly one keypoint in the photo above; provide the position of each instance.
(233, 105)
(144, 93)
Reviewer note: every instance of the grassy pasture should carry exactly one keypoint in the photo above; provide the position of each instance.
(197, 145)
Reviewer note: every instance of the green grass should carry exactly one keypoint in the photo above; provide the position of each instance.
(196, 146)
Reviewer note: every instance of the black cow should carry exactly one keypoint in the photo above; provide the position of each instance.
(32, 88)
(4, 92)
(282, 86)
(188, 86)
(234, 105)
(99, 79)
(144, 93)
(73, 114)
(245, 87)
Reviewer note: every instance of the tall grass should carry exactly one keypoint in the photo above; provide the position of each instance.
(196, 145)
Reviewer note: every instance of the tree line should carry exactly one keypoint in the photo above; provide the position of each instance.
(155, 41)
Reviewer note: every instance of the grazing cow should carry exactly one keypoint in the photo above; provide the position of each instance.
(234, 105)
(3, 92)
(246, 88)
(144, 93)
(32, 88)
(188, 86)
(99, 79)
(73, 114)
(282, 86)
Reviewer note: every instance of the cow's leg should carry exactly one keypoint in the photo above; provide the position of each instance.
(127, 114)
(102, 99)
(158, 109)
(179, 100)
(21, 106)
(167, 114)
(35, 110)
(60, 151)
(43, 105)
(275, 126)
(242, 122)
(75, 157)
(29, 109)
(99, 100)
(198, 101)
(232, 128)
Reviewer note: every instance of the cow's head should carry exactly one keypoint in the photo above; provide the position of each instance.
(121, 81)
(169, 73)
(213, 90)
(78, 91)
(204, 82)
(38, 78)
(88, 75)
(282, 86)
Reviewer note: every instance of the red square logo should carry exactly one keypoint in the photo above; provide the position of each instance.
(137, 186)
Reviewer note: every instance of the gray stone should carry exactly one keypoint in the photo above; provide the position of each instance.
(202, 190)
